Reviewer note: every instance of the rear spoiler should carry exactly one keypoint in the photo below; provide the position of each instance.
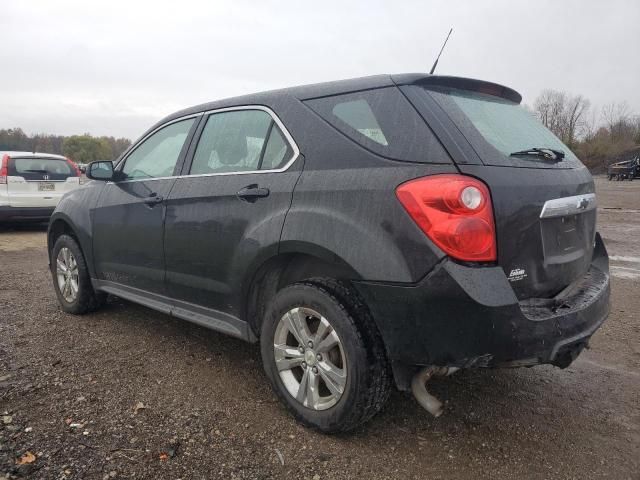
(488, 88)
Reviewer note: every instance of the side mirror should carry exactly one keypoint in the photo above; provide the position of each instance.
(101, 170)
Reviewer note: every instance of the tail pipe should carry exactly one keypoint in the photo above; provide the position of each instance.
(419, 388)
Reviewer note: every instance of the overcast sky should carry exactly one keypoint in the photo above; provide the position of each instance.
(115, 67)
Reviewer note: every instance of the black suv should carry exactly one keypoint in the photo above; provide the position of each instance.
(368, 231)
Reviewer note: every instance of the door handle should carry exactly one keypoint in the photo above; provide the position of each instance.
(251, 193)
(153, 199)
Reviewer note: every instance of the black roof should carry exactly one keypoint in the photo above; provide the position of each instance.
(351, 85)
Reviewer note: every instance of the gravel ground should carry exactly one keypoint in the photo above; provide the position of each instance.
(131, 393)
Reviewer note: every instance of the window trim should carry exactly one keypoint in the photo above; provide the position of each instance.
(189, 156)
(181, 157)
(267, 139)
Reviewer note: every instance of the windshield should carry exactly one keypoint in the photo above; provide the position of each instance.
(506, 126)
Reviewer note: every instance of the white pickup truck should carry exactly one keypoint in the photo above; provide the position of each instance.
(31, 184)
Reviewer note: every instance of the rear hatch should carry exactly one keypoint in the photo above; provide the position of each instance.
(39, 181)
(544, 202)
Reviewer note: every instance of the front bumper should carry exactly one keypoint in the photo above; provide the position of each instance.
(13, 214)
(469, 316)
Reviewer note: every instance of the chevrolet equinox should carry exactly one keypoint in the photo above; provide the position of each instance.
(368, 233)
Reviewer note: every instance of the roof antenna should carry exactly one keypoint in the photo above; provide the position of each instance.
(435, 64)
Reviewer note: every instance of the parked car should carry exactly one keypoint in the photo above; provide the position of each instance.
(32, 184)
(365, 232)
(627, 170)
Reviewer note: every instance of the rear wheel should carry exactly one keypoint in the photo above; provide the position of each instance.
(71, 278)
(324, 356)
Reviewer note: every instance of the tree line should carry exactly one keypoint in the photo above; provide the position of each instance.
(598, 136)
(79, 148)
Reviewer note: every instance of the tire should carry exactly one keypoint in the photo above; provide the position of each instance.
(368, 377)
(86, 299)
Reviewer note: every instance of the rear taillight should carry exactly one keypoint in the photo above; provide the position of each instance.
(75, 168)
(455, 212)
(4, 169)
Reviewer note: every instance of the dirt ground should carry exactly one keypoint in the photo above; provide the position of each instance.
(131, 393)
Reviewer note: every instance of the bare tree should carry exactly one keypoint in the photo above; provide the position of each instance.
(636, 128)
(590, 125)
(575, 118)
(550, 106)
(617, 118)
(563, 114)
(613, 113)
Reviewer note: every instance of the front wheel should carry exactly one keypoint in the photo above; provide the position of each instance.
(71, 278)
(323, 356)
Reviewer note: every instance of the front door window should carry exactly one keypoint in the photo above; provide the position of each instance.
(157, 156)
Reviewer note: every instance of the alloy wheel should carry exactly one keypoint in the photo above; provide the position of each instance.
(67, 274)
(310, 358)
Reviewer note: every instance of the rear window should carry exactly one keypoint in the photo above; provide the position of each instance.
(497, 127)
(382, 121)
(38, 168)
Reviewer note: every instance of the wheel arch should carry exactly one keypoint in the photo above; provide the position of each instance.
(61, 224)
(292, 264)
(58, 226)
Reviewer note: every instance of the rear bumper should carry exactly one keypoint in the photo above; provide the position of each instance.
(12, 214)
(469, 316)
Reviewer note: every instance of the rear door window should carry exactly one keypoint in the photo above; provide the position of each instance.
(384, 122)
(38, 168)
(240, 141)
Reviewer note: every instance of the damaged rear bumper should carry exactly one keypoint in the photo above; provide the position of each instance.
(460, 316)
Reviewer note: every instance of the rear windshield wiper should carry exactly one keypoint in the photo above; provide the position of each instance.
(548, 153)
(37, 171)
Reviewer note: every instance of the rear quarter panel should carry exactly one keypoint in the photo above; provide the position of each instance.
(345, 203)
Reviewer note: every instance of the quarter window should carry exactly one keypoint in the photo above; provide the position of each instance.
(157, 155)
(383, 121)
(358, 115)
(240, 141)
